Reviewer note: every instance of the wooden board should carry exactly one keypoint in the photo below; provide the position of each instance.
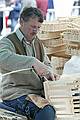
(65, 97)
(68, 117)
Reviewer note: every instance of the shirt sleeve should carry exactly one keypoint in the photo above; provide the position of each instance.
(11, 61)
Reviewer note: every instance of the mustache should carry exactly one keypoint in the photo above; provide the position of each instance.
(34, 33)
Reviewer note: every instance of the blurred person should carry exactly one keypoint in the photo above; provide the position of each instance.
(50, 4)
(14, 14)
(76, 8)
(43, 6)
(50, 11)
(2, 4)
(28, 3)
(22, 50)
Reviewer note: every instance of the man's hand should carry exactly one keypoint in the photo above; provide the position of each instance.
(43, 71)
(51, 76)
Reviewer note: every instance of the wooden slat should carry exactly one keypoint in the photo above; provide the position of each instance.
(68, 117)
(63, 96)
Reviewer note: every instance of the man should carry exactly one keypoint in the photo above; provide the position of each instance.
(50, 11)
(23, 50)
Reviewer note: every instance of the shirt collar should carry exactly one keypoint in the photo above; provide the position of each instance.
(21, 36)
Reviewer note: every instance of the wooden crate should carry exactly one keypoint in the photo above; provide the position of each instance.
(58, 51)
(58, 61)
(58, 64)
(48, 35)
(52, 42)
(59, 70)
(65, 97)
(73, 48)
(56, 26)
(50, 38)
(65, 50)
(75, 21)
(68, 117)
(72, 35)
(66, 105)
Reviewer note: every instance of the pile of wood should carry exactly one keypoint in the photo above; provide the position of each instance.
(64, 95)
(61, 37)
(57, 64)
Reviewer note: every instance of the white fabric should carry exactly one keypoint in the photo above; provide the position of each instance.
(72, 66)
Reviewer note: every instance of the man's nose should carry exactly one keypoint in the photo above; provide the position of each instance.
(35, 30)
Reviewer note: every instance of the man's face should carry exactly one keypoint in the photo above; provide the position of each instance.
(30, 28)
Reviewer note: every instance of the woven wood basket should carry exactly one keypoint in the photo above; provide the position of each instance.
(65, 98)
(48, 35)
(64, 94)
(58, 64)
(52, 42)
(64, 50)
(72, 35)
(7, 115)
(58, 51)
(68, 117)
(57, 26)
(73, 48)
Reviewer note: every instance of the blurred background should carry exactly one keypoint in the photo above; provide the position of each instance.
(51, 9)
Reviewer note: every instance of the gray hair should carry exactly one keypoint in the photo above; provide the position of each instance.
(31, 12)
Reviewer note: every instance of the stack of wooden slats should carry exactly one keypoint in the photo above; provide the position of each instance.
(57, 64)
(72, 38)
(64, 95)
(61, 37)
(54, 36)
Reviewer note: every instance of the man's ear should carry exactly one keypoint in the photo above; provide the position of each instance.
(21, 22)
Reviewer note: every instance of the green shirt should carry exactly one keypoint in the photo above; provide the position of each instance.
(17, 84)
(11, 61)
